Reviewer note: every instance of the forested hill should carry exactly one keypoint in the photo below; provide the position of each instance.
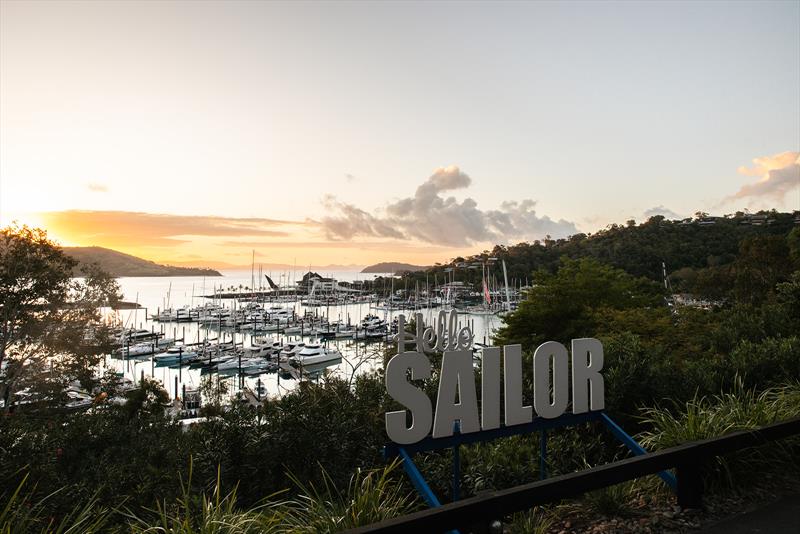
(392, 267)
(119, 264)
(692, 244)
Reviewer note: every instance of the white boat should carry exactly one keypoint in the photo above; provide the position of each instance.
(134, 335)
(289, 330)
(345, 334)
(78, 400)
(289, 350)
(143, 349)
(315, 354)
(176, 354)
(265, 348)
(370, 334)
(246, 363)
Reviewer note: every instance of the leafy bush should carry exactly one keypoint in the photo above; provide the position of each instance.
(772, 361)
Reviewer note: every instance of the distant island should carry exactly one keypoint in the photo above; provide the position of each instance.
(118, 264)
(393, 267)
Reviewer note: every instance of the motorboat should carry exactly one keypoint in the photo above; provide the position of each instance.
(175, 355)
(290, 349)
(346, 333)
(265, 348)
(313, 354)
(244, 363)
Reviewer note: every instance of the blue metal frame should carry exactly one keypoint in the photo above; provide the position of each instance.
(418, 480)
(636, 449)
(392, 450)
(431, 444)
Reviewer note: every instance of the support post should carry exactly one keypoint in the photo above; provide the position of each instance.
(543, 455)
(456, 473)
(690, 485)
(456, 463)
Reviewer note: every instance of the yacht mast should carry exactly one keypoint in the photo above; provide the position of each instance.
(505, 278)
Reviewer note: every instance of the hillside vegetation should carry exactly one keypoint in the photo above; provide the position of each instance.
(119, 264)
(698, 253)
(392, 267)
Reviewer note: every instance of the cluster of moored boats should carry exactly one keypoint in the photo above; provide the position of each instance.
(264, 355)
(256, 319)
(227, 357)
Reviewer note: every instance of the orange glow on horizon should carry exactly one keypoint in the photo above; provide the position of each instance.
(221, 243)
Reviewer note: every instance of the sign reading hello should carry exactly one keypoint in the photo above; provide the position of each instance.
(457, 397)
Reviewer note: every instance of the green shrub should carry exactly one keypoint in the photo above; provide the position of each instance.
(708, 417)
(766, 363)
(610, 501)
(534, 521)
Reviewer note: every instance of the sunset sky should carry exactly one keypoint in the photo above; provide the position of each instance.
(354, 132)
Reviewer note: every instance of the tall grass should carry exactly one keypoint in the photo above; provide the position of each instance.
(611, 500)
(214, 514)
(537, 520)
(371, 496)
(708, 417)
(22, 514)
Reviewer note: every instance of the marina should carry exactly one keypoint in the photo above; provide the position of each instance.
(263, 341)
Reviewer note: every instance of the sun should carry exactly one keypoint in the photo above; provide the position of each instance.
(33, 220)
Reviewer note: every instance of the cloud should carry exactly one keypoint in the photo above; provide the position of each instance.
(432, 217)
(125, 228)
(778, 174)
(97, 188)
(353, 221)
(393, 245)
(663, 211)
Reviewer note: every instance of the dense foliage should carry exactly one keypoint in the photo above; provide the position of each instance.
(682, 246)
(49, 321)
(673, 372)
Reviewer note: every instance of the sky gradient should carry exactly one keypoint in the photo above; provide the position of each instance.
(352, 133)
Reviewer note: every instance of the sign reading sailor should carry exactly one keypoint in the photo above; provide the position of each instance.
(457, 397)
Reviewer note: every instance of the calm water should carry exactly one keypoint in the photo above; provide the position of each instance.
(153, 292)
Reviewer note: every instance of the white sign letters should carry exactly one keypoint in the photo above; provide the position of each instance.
(445, 336)
(457, 398)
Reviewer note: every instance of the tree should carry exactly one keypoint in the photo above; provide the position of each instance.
(214, 392)
(50, 329)
(763, 261)
(563, 306)
(793, 242)
(788, 296)
(149, 400)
